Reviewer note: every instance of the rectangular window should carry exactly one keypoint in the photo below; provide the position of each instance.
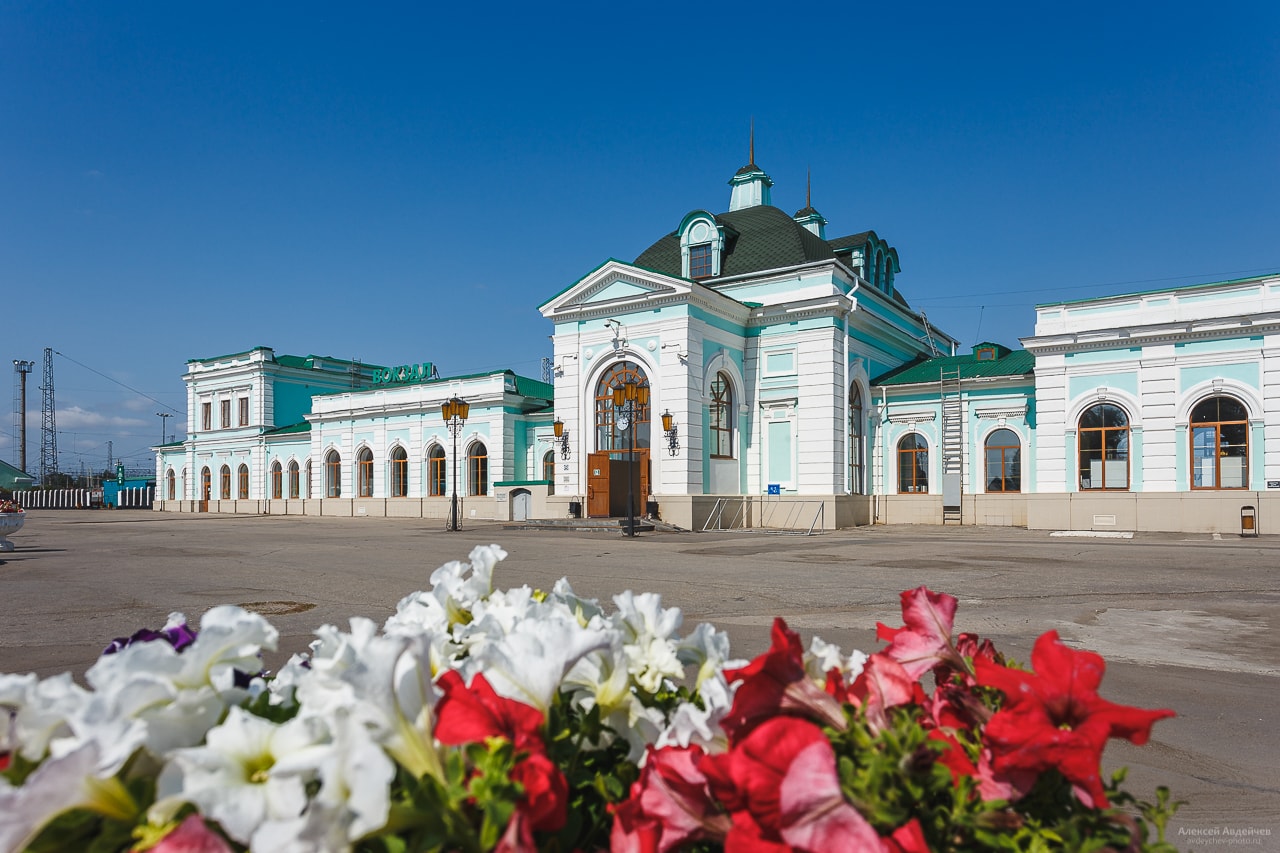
(226, 414)
(700, 261)
(436, 476)
(244, 411)
(206, 416)
(479, 466)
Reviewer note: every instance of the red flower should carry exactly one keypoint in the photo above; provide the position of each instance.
(882, 684)
(776, 683)
(1054, 718)
(925, 640)
(908, 838)
(670, 804)
(781, 788)
(473, 714)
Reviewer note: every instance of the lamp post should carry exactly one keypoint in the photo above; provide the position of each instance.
(631, 398)
(562, 437)
(164, 424)
(455, 411)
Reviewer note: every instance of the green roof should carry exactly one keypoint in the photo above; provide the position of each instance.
(1016, 363)
(756, 239)
(305, 426)
(11, 477)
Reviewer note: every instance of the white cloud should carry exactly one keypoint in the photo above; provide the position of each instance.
(76, 418)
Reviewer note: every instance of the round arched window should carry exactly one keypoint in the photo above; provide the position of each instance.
(1220, 444)
(1104, 448)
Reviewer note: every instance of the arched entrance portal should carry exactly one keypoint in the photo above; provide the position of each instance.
(618, 469)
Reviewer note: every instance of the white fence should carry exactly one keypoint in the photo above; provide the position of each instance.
(134, 497)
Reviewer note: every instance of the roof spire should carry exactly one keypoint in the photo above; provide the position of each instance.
(750, 184)
(751, 159)
(808, 217)
(808, 182)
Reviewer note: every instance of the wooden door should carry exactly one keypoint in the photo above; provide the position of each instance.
(598, 484)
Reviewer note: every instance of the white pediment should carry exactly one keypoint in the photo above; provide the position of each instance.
(613, 287)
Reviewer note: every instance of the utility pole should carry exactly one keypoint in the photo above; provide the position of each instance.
(22, 368)
(48, 426)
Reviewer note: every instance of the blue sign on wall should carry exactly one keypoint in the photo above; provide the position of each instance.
(775, 488)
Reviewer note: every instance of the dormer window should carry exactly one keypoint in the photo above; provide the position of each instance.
(700, 261)
(701, 245)
(985, 354)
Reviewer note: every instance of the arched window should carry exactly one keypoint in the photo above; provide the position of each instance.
(436, 471)
(332, 475)
(1104, 448)
(293, 478)
(277, 480)
(913, 465)
(310, 482)
(878, 281)
(171, 484)
(477, 469)
(224, 483)
(549, 470)
(610, 434)
(242, 481)
(720, 417)
(399, 473)
(1219, 444)
(206, 484)
(856, 416)
(1004, 461)
(364, 473)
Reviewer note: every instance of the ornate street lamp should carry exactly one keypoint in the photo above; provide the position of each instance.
(630, 399)
(455, 411)
(669, 429)
(562, 437)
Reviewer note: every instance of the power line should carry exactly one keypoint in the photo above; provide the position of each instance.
(118, 382)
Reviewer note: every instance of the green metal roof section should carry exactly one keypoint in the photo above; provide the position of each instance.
(524, 385)
(757, 238)
(305, 426)
(229, 355)
(1016, 363)
(1176, 287)
(11, 476)
(527, 387)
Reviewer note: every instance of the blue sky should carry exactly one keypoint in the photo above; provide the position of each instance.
(402, 183)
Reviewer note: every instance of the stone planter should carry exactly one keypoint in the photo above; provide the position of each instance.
(10, 522)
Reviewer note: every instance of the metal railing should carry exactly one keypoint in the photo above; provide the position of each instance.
(766, 514)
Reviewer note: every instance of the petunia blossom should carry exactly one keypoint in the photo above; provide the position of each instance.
(669, 805)
(924, 641)
(1054, 718)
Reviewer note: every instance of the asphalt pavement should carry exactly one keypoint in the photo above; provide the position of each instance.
(1187, 622)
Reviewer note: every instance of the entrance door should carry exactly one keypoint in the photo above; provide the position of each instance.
(598, 484)
(622, 480)
(521, 503)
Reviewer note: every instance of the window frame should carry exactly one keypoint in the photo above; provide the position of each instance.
(918, 456)
(437, 472)
(364, 473)
(242, 482)
(701, 261)
(295, 483)
(720, 416)
(607, 435)
(1219, 450)
(549, 470)
(399, 464)
(224, 483)
(477, 469)
(277, 480)
(225, 413)
(244, 411)
(333, 474)
(206, 416)
(1123, 436)
(1002, 477)
(206, 484)
(171, 484)
(856, 458)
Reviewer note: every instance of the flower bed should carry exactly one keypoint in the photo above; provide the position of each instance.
(479, 719)
(12, 518)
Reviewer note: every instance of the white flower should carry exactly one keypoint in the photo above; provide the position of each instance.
(59, 784)
(41, 711)
(386, 683)
(601, 680)
(692, 724)
(455, 589)
(248, 771)
(823, 657)
(647, 629)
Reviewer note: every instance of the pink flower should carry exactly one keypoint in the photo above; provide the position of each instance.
(781, 788)
(776, 683)
(883, 684)
(1054, 718)
(925, 640)
(670, 804)
(192, 836)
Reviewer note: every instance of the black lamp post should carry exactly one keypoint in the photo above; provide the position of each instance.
(455, 411)
(631, 398)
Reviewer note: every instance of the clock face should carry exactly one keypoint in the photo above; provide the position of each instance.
(623, 422)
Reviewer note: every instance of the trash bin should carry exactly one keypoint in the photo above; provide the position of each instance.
(1248, 521)
(575, 509)
(651, 508)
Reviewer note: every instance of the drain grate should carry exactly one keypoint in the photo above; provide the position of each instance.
(277, 608)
